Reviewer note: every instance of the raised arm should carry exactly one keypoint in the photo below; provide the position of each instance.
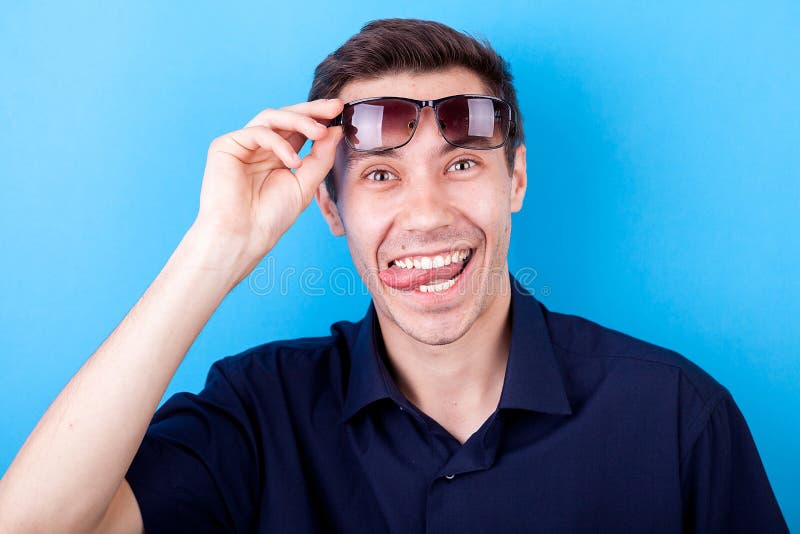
(69, 474)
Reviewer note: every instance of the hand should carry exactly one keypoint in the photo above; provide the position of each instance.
(249, 196)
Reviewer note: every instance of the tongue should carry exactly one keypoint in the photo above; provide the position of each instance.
(406, 279)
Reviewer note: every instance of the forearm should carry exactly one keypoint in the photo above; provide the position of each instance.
(70, 466)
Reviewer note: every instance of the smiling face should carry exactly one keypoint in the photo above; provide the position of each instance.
(427, 224)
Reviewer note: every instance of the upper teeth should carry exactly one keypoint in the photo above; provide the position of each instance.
(431, 262)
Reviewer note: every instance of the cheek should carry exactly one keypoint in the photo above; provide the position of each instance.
(485, 204)
(364, 214)
(365, 227)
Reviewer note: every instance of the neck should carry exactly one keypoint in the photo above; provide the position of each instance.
(458, 383)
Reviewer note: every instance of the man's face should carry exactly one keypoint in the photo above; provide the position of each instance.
(423, 200)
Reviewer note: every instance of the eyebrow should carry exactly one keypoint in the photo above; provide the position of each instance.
(354, 157)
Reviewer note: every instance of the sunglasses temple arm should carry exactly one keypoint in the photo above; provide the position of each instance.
(336, 121)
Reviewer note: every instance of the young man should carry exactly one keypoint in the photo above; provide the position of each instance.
(459, 402)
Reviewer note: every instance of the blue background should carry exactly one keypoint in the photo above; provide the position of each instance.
(663, 164)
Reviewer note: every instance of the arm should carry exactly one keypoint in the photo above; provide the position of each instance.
(68, 475)
(123, 515)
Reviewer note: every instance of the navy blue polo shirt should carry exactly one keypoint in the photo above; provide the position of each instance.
(595, 431)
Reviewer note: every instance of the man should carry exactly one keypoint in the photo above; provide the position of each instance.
(459, 402)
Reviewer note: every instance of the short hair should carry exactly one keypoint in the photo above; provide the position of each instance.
(411, 45)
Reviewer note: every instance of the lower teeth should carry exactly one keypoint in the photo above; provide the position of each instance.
(435, 288)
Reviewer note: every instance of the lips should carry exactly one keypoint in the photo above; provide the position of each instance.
(408, 279)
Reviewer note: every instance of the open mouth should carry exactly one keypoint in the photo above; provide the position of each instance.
(438, 286)
(427, 274)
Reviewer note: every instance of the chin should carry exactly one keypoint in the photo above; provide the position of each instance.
(442, 329)
(435, 337)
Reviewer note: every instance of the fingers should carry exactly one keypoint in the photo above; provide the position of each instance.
(317, 164)
(326, 109)
(297, 123)
(282, 118)
(244, 145)
(276, 119)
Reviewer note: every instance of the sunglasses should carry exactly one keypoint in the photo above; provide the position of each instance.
(468, 121)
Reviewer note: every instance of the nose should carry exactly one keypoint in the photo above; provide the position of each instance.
(427, 204)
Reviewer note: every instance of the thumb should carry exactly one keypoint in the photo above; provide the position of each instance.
(316, 165)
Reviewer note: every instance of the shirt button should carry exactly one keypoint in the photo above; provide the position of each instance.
(449, 477)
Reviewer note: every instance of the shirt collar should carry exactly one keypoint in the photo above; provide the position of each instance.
(533, 379)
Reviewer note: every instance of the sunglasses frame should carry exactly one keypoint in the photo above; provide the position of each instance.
(511, 131)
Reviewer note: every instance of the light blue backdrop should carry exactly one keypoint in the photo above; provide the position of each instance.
(663, 199)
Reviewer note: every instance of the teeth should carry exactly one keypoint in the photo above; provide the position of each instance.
(433, 288)
(428, 262)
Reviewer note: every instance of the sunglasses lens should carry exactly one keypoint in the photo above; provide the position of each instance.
(475, 122)
(379, 124)
(467, 121)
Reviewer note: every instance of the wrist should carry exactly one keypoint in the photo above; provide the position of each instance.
(208, 251)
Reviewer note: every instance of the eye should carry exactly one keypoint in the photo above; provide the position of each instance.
(380, 175)
(462, 165)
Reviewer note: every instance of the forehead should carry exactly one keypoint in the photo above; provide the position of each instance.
(420, 86)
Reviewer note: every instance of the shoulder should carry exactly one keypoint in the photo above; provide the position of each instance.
(583, 338)
(647, 376)
(293, 362)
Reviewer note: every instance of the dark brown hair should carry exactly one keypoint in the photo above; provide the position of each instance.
(412, 45)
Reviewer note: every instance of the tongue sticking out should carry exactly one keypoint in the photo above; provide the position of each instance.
(406, 279)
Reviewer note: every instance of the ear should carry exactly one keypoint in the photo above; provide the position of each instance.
(519, 179)
(329, 210)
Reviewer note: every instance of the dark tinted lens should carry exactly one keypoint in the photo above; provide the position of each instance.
(475, 122)
(379, 124)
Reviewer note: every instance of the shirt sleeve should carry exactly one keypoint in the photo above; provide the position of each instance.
(196, 469)
(724, 485)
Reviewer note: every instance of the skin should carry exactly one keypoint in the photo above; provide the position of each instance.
(448, 356)
(248, 199)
